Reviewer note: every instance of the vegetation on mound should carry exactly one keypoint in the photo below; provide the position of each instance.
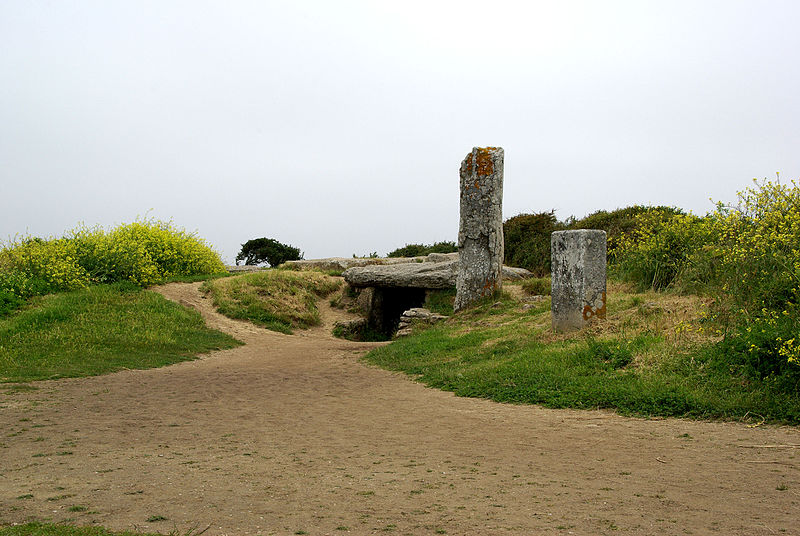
(527, 236)
(420, 250)
(143, 253)
(655, 355)
(100, 329)
(746, 258)
(280, 300)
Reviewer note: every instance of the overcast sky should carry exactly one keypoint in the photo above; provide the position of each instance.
(339, 126)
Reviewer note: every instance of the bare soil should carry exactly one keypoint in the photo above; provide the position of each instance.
(290, 434)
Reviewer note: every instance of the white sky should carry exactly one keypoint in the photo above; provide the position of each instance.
(339, 126)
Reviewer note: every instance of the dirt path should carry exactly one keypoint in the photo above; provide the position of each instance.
(291, 435)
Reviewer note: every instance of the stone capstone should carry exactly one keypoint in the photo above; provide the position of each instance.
(441, 257)
(343, 263)
(413, 275)
(480, 231)
(578, 272)
(427, 275)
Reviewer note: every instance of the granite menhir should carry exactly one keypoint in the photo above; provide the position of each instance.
(480, 231)
(578, 271)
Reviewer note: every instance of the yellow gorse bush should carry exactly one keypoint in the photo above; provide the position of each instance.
(33, 264)
(747, 255)
(142, 252)
(758, 246)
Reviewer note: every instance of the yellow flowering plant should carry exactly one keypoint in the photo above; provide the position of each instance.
(746, 255)
(143, 252)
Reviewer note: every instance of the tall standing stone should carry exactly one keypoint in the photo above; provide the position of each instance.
(578, 270)
(480, 231)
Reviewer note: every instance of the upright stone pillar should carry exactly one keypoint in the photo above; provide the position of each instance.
(578, 278)
(480, 231)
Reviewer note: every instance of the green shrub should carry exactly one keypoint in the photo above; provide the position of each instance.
(9, 302)
(420, 250)
(660, 249)
(764, 346)
(746, 257)
(618, 223)
(527, 241)
(267, 250)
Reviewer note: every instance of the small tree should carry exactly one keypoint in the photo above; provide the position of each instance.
(269, 250)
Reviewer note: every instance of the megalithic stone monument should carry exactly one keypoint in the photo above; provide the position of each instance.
(480, 231)
(578, 271)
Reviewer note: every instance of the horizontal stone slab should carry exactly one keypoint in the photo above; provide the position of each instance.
(343, 263)
(427, 275)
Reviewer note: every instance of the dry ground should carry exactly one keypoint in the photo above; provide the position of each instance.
(292, 435)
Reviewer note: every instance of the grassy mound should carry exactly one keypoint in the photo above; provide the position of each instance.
(655, 355)
(101, 329)
(280, 300)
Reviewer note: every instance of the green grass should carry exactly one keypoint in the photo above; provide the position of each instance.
(640, 362)
(537, 286)
(280, 300)
(440, 301)
(49, 529)
(101, 329)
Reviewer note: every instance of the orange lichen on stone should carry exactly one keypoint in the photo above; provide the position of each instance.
(484, 165)
(489, 286)
(590, 311)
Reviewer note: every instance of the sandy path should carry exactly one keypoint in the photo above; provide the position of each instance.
(291, 435)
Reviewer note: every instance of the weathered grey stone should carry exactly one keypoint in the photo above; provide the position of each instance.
(343, 263)
(512, 273)
(441, 257)
(243, 268)
(578, 293)
(416, 315)
(411, 275)
(480, 232)
(364, 299)
(428, 275)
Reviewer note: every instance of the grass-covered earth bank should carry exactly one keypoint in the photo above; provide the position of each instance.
(656, 355)
(101, 329)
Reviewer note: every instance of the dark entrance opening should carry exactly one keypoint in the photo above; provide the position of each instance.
(388, 305)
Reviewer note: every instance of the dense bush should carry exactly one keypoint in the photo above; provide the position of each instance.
(527, 236)
(747, 257)
(659, 249)
(527, 241)
(267, 250)
(620, 222)
(420, 250)
(143, 253)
